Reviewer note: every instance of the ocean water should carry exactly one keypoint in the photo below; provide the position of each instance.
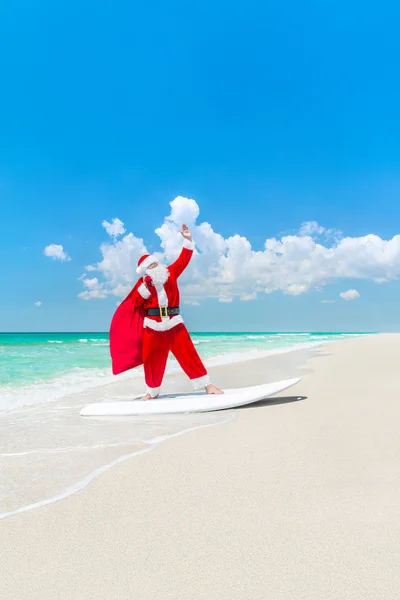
(41, 367)
(47, 451)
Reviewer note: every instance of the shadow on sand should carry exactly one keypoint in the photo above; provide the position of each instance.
(272, 402)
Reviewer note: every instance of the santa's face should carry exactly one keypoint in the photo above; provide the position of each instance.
(158, 273)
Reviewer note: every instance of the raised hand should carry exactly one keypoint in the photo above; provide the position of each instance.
(186, 232)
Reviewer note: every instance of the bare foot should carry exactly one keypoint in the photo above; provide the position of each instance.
(148, 397)
(212, 389)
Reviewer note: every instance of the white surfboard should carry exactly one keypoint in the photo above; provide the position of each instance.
(188, 403)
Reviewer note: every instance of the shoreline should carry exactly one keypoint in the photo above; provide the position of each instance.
(295, 498)
(277, 363)
(81, 485)
(97, 378)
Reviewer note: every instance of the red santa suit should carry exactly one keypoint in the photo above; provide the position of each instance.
(162, 332)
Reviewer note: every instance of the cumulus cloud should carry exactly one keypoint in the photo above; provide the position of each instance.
(349, 295)
(38, 303)
(56, 252)
(228, 268)
(95, 289)
(328, 301)
(115, 228)
(117, 269)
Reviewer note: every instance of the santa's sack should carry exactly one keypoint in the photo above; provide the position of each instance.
(126, 336)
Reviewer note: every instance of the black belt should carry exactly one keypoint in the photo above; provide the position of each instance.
(163, 311)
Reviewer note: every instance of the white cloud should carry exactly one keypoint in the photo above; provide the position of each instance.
(115, 228)
(56, 252)
(311, 228)
(228, 268)
(38, 303)
(328, 301)
(349, 295)
(95, 289)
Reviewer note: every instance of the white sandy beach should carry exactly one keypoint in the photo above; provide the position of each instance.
(294, 499)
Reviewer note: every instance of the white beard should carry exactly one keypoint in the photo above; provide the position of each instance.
(158, 274)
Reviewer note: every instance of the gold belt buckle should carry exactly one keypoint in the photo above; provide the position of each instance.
(163, 311)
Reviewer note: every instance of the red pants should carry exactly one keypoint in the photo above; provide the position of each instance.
(157, 345)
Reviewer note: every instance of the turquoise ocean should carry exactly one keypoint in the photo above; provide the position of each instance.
(47, 451)
(36, 367)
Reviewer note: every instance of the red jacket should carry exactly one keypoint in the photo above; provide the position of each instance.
(126, 330)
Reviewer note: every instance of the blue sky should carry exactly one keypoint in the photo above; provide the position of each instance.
(267, 115)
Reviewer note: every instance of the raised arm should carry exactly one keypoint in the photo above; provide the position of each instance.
(186, 254)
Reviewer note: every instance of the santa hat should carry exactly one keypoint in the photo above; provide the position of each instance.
(144, 262)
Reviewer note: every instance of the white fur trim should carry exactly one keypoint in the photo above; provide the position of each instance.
(164, 325)
(162, 298)
(145, 263)
(153, 391)
(144, 292)
(188, 244)
(200, 382)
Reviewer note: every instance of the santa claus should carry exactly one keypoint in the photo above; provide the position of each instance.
(148, 325)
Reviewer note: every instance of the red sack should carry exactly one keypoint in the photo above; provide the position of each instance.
(126, 335)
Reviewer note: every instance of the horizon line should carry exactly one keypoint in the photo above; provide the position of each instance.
(195, 332)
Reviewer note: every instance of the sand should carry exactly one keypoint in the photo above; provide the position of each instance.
(295, 499)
